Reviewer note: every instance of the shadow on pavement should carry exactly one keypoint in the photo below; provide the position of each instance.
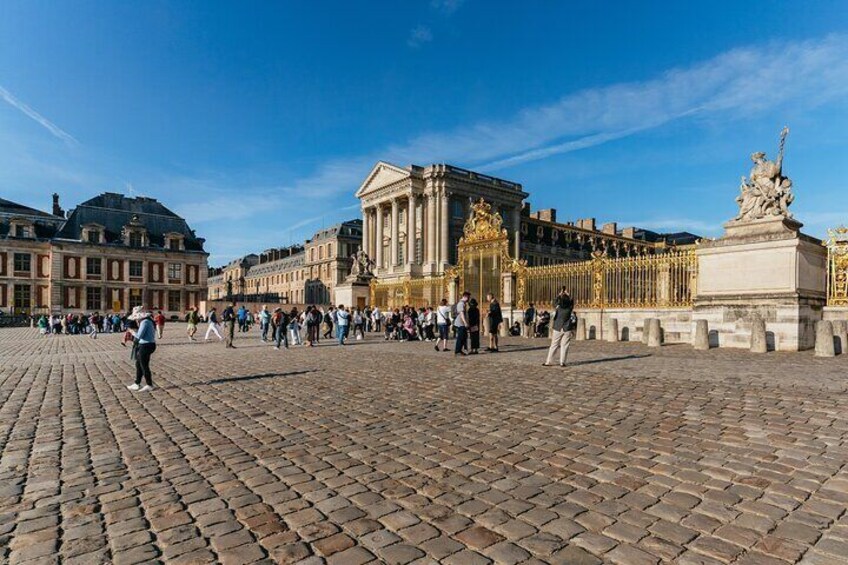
(606, 359)
(257, 377)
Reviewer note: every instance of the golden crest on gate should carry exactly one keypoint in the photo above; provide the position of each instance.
(483, 224)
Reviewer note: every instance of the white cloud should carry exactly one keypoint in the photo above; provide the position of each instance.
(732, 85)
(419, 36)
(29, 112)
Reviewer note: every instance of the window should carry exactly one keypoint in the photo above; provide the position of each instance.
(135, 239)
(135, 297)
(136, 269)
(401, 253)
(456, 207)
(175, 271)
(21, 231)
(23, 263)
(174, 300)
(174, 244)
(93, 266)
(419, 251)
(23, 297)
(93, 298)
(93, 236)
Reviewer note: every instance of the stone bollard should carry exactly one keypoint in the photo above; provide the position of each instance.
(758, 335)
(581, 329)
(612, 330)
(824, 339)
(701, 342)
(654, 333)
(504, 328)
(840, 330)
(645, 328)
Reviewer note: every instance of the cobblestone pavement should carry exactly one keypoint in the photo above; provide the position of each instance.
(393, 453)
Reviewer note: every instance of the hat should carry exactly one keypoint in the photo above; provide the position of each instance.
(138, 313)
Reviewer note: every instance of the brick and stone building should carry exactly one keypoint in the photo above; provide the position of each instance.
(299, 274)
(110, 253)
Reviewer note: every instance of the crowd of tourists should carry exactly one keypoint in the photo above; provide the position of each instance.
(462, 323)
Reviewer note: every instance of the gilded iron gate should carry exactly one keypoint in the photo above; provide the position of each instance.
(837, 266)
(483, 253)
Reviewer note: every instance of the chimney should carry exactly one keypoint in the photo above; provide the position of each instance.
(548, 215)
(57, 210)
(609, 228)
(629, 233)
(587, 224)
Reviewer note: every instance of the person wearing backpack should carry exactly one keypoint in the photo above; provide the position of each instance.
(279, 322)
(229, 317)
(329, 320)
(563, 328)
(192, 319)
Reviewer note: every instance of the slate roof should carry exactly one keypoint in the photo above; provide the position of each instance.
(114, 211)
(45, 224)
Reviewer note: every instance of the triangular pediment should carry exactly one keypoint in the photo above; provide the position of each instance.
(383, 174)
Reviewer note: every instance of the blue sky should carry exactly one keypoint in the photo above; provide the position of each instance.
(259, 120)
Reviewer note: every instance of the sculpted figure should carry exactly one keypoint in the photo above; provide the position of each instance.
(766, 192)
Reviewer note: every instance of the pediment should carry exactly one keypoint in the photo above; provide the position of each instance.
(383, 174)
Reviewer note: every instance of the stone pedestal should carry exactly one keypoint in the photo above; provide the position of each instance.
(765, 268)
(353, 293)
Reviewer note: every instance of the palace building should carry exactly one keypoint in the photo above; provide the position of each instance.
(110, 253)
(413, 219)
(299, 274)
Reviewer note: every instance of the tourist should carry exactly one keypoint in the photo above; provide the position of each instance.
(159, 320)
(279, 321)
(241, 317)
(542, 324)
(460, 324)
(342, 323)
(94, 324)
(495, 319)
(563, 330)
(377, 318)
(313, 321)
(515, 329)
(212, 324)
(473, 317)
(265, 321)
(530, 321)
(145, 345)
(192, 319)
(443, 321)
(358, 324)
(366, 316)
(329, 321)
(43, 325)
(229, 317)
(294, 327)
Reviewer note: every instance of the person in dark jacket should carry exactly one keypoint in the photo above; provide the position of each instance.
(495, 319)
(474, 326)
(563, 329)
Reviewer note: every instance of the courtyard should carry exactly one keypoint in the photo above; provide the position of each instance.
(385, 452)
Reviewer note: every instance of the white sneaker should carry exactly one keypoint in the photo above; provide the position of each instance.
(145, 388)
(133, 387)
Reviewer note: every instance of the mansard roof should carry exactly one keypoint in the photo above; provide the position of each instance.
(114, 211)
(45, 225)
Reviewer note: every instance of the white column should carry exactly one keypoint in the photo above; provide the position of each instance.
(395, 232)
(446, 220)
(379, 238)
(430, 234)
(366, 231)
(410, 231)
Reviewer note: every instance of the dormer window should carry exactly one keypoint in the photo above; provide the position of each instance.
(22, 228)
(22, 231)
(174, 241)
(136, 239)
(173, 244)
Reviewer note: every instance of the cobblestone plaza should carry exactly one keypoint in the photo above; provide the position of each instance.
(393, 453)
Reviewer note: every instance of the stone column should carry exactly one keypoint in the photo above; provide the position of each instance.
(366, 231)
(395, 232)
(410, 231)
(430, 234)
(378, 250)
(445, 224)
(516, 229)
